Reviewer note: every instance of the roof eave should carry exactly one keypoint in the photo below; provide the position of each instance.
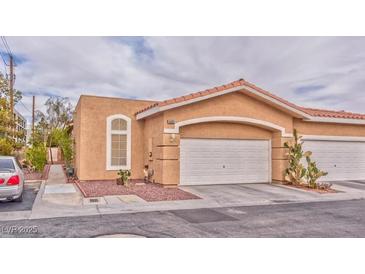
(335, 120)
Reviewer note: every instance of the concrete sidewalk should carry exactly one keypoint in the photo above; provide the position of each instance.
(56, 194)
(56, 175)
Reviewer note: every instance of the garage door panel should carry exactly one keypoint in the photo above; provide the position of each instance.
(342, 160)
(219, 161)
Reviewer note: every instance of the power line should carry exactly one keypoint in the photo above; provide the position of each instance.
(8, 49)
(4, 61)
(25, 106)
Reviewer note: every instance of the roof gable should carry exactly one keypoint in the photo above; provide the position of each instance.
(309, 114)
(236, 86)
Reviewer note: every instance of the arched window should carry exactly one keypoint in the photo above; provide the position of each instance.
(118, 142)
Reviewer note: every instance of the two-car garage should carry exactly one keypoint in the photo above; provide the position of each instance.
(225, 161)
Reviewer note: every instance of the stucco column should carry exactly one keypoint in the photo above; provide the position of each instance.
(279, 159)
(167, 165)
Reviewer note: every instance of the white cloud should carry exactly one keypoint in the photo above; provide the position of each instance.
(163, 67)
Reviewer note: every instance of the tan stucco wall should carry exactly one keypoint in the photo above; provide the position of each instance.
(232, 104)
(331, 129)
(76, 135)
(92, 113)
(153, 130)
(224, 131)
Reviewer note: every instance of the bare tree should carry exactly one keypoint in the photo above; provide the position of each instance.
(58, 115)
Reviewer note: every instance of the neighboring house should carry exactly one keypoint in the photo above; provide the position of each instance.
(20, 126)
(225, 135)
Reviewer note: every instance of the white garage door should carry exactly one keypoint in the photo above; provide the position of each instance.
(342, 160)
(221, 161)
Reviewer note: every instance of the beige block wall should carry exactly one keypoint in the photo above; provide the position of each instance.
(91, 114)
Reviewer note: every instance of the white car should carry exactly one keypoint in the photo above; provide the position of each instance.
(11, 179)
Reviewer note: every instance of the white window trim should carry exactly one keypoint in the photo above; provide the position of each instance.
(109, 133)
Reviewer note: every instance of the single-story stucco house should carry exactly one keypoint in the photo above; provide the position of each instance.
(229, 134)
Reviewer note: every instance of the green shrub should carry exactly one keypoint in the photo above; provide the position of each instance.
(37, 156)
(63, 140)
(6, 147)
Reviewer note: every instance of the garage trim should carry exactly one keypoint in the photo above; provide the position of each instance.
(237, 119)
(333, 138)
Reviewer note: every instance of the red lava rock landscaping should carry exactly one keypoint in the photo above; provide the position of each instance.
(149, 192)
(37, 175)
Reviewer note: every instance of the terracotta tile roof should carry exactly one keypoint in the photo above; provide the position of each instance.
(195, 95)
(241, 82)
(333, 113)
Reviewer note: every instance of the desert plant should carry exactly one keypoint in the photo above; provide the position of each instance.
(37, 156)
(313, 173)
(295, 173)
(124, 175)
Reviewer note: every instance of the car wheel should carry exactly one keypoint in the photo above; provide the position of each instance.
(19, 199)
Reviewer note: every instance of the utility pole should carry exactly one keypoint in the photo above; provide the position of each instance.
(11, 90)
(33, 112)
(11, 87)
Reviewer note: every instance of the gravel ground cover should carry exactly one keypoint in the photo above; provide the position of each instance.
(37, 175)
(149, 192)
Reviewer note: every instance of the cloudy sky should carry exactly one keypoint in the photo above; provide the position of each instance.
(325, 72)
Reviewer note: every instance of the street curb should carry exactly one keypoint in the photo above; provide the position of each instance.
(133, 211)
(81, 190)
(38, 198)
(306, 191)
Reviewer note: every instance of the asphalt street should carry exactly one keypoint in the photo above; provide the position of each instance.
(30, 193)
(316, 219)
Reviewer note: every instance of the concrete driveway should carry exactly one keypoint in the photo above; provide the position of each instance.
(250, 194)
